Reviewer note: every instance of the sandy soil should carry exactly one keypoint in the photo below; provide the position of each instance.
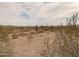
(31, 44)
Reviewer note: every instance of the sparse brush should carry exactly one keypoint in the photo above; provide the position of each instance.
(45, 50)
(14, 36)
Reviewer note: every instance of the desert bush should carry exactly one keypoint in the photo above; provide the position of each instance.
(45, 50)
(70, 45)
(73, 20)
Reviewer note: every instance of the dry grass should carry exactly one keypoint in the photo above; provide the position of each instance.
(65, 43)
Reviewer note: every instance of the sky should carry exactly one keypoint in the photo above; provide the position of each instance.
(36, 13)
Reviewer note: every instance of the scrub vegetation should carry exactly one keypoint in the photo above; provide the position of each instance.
(41, 40)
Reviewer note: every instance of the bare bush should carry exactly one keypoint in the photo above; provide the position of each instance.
(73, 20)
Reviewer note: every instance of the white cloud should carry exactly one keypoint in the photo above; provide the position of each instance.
(36, 13)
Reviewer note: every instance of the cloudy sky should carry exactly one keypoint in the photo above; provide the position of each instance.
(40, 13)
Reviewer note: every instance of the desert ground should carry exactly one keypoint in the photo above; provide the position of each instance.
(45, 41)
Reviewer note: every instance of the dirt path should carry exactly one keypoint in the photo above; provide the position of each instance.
(31, 45)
